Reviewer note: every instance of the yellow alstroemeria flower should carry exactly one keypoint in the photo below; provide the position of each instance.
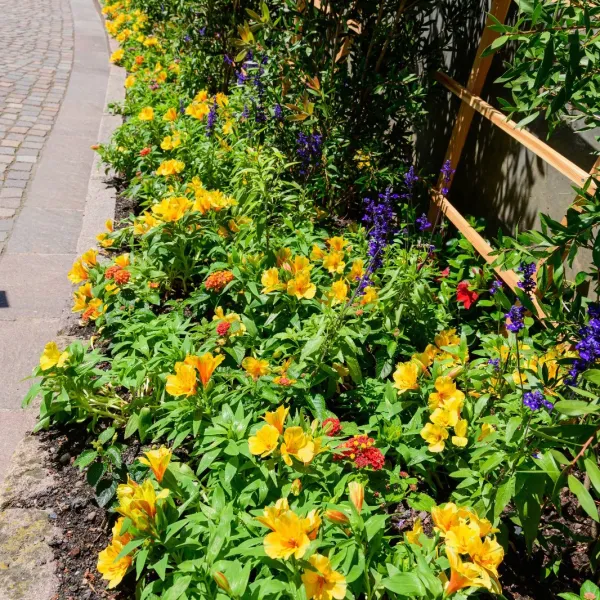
(298, 444)
(444, 517)
(339, 292)
(311, 524)
(158, 461)
(357, 270)
(301, 286)
(282, 256)
(146, 114)
(271, 513)
(406, 376)
(78, 272)
(89, 258)
(53, 357)
(444, 418)
(171, 142)
(172, 209)
(170, 167)
(144, 223)
(288, 538)
(460, 536)
(300, 264)
(486, 430)
(222, 99)
(205, 364)
(464, 574)
(369, 295)
(412, 536)
(460, 430)
(426, 357)
(322, 582)
(183, 383)
(264, 442)
(139, 502)
(228, 127)
(277, 418)
(109, 567)
(487, 554)
(316, 253)
(170, 115)
(255, 367)
(197, 110)
(117, 55)
(270, 281)
(130, 81)
(356, 493)
(446, 392)
(447, 337)
(334, 262)
(336, 243)
(434, 435)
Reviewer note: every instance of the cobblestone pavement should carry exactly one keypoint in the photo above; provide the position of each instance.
(36, 55)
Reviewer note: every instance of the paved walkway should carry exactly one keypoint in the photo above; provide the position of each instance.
(53, 79)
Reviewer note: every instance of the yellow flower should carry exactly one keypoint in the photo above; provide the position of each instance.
(81, 297)
(460, 429)
(356, 493)
(109, 567)
(122, 260)
(311, 524)
(301, 287)
(277, 418)
(316, 253)
(412, 537)
(255, 367)
(130, 81)
(271, 513)
(197, 110)
(172, 209)
(446, 393)
(146, 114)
(296, 487)
(201, 96)
(357, 270)
(288, 537)
(300, 264)
(89, 258)
(444, 418)
(487, 554)
(117, 55)
(171, 142)
(170, 167)
(447, 337)
(369, 295)
(298, 444)
(206, 364)
(222, 99)
(104, 240)
(434, 435)
(464, 574)
(183, 383)
(264, 442)
(444, 517)
(144, 223)
(427, 356)
(336, 243)
(334, 262)
(405, 377)
(78, 272)
(170, 115)
(270, 281)
(228, 127)
(53, 357)
(139, 503)
(158, 461)
(460, 536)
(339, 291)
(486, 430)
(323, 583)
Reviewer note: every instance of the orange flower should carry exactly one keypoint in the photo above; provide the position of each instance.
(183, 383)
(216, 281)
(255, 367)
(158, 461)
(205, 364)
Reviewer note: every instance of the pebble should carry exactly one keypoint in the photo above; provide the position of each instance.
(90, 516)
(65, 459)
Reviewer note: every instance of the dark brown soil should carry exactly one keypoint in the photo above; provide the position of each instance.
(86, 527)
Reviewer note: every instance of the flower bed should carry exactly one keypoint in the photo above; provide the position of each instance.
(339, 408)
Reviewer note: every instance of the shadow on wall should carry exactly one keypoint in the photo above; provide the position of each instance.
(497, 178)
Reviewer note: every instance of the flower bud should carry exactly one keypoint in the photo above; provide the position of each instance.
(336, 516)
(356, 492)
(296, 487)
(455, 372)
(221, 581)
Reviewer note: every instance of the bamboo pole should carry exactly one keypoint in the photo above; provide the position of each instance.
(479, 73)
(569, 169)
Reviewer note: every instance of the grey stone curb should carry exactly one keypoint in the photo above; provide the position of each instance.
(27, 566)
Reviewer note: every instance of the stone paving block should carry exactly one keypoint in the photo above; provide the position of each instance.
(45, 230)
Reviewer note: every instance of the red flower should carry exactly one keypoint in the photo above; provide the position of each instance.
(122, 276)
(466, 296)
(223, 327)
(111, 271)
(370, 457)
(145, 151)
(445, 272)
(218, 280)
(361, 450)
(332, 426)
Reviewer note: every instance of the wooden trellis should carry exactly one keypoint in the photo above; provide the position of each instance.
(471, 103)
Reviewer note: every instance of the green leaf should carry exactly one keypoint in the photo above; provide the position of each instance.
(94, 473)
(585, 499)
(405, 584)
(593, 375)
(354, 369)
(546, 65)
(127, 549)
(181, 585)
(106, 435)
(85, 458)
(318, 406)
(575, 408)
(593, 472)
(140, 561)
(132, 425)
(105, 491)
(375, 524)
(311, 347)
(504, 494)
(161, 566)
